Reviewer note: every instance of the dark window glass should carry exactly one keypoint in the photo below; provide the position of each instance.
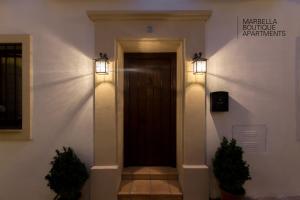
(10, 86)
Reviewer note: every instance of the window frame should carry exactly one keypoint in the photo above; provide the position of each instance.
(25, 132)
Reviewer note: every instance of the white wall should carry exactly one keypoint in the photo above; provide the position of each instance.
(63, 94)
(258, 73)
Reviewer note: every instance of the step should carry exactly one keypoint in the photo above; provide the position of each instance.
(147, 173)
(150, 190)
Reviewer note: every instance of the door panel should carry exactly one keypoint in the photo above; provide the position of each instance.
(150, 109)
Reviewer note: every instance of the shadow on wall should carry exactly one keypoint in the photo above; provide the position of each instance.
(66, 107)
(223, 121)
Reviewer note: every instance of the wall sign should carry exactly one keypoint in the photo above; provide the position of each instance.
(260, 27)
(253, 138)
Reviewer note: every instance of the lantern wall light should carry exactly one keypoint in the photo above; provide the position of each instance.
(199, 63)
(102, 64)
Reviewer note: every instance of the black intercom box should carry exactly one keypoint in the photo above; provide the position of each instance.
(219, 101)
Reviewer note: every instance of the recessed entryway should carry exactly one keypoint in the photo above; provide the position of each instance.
(180, 32)
(150, 109)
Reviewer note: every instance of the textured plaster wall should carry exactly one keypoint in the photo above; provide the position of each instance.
(258, 73)
(62, 45)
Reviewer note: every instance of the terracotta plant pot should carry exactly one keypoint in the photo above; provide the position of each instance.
(228, 196)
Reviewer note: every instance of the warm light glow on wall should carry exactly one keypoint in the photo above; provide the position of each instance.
(191, 77)
(108, 77)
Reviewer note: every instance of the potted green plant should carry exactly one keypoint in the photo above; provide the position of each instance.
(230, 170)
(67, 175)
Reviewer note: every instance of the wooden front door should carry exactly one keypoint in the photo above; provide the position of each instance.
(150, 109)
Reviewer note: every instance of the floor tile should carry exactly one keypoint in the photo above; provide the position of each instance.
(124, 198)
(174, 187)
(163, 170)
(159, 187)
(140, 187)
(125, 187)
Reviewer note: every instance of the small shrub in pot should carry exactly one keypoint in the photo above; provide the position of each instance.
(230, 169)
(67, 175)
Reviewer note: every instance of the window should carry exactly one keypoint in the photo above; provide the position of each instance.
(10, 86)
(15, 87)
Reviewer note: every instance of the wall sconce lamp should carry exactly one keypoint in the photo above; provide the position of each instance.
(102, 64)
(199, 63)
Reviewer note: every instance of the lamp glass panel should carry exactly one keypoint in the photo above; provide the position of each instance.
(199, 66)
(101, 66)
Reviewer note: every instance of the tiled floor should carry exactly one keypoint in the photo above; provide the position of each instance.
(150, 183)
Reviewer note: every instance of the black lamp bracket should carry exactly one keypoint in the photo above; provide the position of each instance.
(102, 56)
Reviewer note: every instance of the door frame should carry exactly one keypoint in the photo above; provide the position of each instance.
(147, 45)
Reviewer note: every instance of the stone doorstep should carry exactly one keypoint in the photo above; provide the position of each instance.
(150, 189)
(150, 173)
(150, 198)
(171, 196)
(150, 183)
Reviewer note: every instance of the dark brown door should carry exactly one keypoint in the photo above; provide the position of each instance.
(150, 109)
